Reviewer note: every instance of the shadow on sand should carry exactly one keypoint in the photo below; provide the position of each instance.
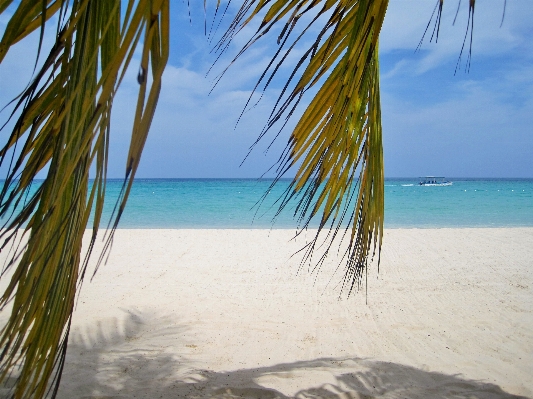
(107, 363)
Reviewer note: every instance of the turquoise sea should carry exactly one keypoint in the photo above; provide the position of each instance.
(232, 203)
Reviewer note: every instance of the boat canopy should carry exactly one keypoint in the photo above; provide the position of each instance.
(434, 181)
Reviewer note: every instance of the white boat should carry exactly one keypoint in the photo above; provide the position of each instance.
(434, 181)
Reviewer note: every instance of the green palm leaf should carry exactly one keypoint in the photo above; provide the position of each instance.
(63, 122)
(336, 144)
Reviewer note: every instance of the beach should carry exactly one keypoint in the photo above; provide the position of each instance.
(225, 314)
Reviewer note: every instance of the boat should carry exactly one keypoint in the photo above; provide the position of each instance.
(434, 181)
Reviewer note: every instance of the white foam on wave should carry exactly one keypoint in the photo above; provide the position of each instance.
(407, 185)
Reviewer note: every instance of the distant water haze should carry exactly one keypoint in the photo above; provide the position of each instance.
(235, 203)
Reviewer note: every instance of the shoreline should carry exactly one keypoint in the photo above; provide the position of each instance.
(220, 313)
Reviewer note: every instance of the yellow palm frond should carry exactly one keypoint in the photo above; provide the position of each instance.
(63, 122)
(336, 144)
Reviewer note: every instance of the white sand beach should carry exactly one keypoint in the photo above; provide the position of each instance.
(224, 314)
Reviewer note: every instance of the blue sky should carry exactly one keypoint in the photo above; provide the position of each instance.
(476, 124)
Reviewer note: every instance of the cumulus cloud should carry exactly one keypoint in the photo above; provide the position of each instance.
(477, 128)
(406, 21)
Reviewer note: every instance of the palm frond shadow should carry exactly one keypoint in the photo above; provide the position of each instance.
(110, 364)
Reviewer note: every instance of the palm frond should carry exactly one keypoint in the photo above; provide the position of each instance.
(62, 121)
(469, 28)
(336, 145)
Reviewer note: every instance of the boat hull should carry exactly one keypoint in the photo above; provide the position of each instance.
(436, 184)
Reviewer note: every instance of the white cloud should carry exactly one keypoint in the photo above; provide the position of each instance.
(194, 133)
(406, 21)
(477, 133)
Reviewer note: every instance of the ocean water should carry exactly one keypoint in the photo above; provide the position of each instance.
(233, 203)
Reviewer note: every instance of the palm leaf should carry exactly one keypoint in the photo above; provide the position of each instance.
(62, 121)
(336, 145)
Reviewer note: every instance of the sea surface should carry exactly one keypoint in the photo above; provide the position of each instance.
(233, 203)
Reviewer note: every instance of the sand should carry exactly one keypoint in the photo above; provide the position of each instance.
(225, 314)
